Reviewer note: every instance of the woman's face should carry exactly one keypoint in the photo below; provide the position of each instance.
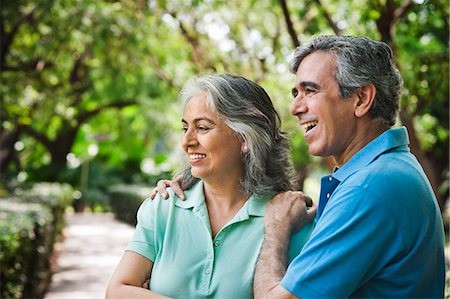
(213, 149)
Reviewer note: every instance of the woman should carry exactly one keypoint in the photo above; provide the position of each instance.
(236, 160)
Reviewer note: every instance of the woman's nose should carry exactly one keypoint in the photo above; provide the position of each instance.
(189, 138)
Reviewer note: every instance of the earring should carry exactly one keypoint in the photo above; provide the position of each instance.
(245, 148)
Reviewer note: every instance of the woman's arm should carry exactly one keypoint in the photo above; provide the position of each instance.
(129, 277)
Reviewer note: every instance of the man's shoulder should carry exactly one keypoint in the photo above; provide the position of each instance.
(394, 179)
(390, 167)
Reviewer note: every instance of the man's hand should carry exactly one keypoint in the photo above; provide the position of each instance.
(289, 211)
(163, 184)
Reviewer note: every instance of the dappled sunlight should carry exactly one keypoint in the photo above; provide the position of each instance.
(93, 246)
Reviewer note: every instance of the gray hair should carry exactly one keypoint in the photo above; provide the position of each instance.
(246, 108)
(360, 61)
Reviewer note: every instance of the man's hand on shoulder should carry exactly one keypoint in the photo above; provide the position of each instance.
(162, 185)
(289, 211)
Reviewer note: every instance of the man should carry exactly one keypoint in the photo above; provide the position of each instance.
(378, 230)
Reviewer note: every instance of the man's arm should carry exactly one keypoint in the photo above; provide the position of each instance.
(286, 213)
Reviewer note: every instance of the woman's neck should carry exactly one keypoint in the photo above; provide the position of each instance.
(223, 201)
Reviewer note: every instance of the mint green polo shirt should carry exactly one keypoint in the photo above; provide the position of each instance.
(188, 262)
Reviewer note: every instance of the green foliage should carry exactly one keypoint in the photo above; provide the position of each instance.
(30, 223)
(18, 225)
(125, 201)
(108, 73)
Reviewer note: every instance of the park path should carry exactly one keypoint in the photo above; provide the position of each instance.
(93, 246)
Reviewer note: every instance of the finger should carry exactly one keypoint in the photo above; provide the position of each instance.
(176, 187)
(308, 200)
(161, 188)
(146, 284)
(178, 179)
(311, 212)
(153, 194)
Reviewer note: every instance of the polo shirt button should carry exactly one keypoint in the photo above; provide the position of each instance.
(328, 195)
(216, 243)
(210, 256)
(208, 271)
(330, 178)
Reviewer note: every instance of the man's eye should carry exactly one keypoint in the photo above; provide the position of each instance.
(309, 90)
(294, 92)
(184, 129)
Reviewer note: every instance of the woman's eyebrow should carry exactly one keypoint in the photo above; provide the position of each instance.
(196, 120)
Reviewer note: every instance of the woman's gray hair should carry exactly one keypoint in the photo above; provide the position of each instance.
(360, 61)
(246, 108)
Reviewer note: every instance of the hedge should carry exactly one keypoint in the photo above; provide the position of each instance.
(30, 223)
(125, 201)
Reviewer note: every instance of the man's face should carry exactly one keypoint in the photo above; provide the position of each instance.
(328, 120)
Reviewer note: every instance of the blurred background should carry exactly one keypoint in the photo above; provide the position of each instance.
(89, 112)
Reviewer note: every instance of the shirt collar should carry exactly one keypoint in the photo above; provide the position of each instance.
(255, 205)
(194, 197)
(388, 140)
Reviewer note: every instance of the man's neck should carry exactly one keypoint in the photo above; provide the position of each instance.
(366, 133)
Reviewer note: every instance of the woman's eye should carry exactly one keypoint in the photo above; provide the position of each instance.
(184, 129)
(202, 128)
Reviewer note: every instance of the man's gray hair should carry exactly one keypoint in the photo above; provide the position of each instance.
(360, 61)
(246, 108)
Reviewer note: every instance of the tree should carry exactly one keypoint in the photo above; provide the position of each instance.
(55, 81)
(73, 70)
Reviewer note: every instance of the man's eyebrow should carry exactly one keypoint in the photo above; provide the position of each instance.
(309, 84)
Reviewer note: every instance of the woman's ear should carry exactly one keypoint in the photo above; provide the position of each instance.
(366, 96)
(244, 148)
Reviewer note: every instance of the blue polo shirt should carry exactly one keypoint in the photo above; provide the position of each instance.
(188, 262)
(378, 233)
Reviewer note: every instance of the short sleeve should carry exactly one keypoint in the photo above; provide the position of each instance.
(143, 240)
(345, 248)
(298, 240)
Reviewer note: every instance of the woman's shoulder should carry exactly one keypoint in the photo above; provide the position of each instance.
(159, 205)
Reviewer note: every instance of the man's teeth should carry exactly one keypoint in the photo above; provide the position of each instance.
(197, 156)
(309, 125)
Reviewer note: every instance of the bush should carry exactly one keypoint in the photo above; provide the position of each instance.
(125, 201)
(30, 223)
(56, 197)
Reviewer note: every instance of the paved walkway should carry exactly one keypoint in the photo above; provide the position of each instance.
(93, 247)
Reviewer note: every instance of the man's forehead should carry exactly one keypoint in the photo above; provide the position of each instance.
(316, 66)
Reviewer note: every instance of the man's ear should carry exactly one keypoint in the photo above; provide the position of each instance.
(365, 97)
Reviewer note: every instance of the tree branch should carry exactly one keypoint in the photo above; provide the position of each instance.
(8, 37)
(327, 16)
(83, 117)
(42, 138)
(159, 71)
(289, 24)
(402, 10)
(197, 57)
(32, 65)
(390, 14)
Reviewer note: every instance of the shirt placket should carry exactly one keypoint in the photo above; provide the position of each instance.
(327, 186)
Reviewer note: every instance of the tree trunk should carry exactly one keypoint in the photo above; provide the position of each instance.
(7, 150)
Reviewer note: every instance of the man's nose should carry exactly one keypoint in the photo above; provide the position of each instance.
(298, 106)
